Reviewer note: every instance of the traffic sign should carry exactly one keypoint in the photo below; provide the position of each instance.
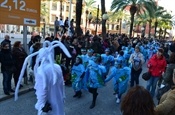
(20, 12)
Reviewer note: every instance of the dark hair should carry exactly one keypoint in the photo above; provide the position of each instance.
(16, 44)
(172, 58)
(137, 47)
(161, 50)
(137, 101)
(121, 53)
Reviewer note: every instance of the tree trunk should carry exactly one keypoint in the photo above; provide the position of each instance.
(78, 30)
(164, 33)
(103, 10)
(133, 10)
(120, 30)
(149, 31)
(155, 28)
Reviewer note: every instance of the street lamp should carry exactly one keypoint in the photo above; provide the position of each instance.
(90, 17)
(105, 16)
(142, 30)
(97, 20)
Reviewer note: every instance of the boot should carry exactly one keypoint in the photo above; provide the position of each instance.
(76, 94)
(79, 94)
(94, 101)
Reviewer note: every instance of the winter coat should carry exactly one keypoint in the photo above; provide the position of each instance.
(7, 60)
(167, 77)
(167, 104)
(19, 56)
(157, 65)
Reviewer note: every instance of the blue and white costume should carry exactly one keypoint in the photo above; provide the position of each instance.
(76, 74)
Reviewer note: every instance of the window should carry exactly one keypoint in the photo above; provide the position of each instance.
(54, 6)
(117, 27)
(62, 8)
(67, 8)
(53, 18)
(112, 26)
(107, 26)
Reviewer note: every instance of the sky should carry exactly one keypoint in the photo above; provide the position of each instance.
(167, 4)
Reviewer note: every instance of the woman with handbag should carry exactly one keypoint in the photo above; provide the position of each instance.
(156, 65)
(137, 60)
(7, 65)
(19, 55)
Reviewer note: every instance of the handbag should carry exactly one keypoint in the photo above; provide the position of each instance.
(146, 76)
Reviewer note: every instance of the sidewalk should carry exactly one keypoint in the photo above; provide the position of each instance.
(24, 89)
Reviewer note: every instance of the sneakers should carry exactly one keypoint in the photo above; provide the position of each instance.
(118, 101)
(116, 96)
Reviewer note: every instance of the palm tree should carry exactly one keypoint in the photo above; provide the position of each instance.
(78, 29)
(158, 13)
(90, 4)
(165, 23)
(135, 6)
(103, 10)
(120, 15)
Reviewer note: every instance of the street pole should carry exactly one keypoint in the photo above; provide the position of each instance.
(61, 5)
(97, 20)
(70, 12)
(44, 30)
(25, 38)
(25, 45)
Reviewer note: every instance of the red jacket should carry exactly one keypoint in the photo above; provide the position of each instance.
(156, 65)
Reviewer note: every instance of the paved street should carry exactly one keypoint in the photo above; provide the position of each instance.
(105, 104)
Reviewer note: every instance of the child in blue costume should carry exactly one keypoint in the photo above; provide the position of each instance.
(105, 59)
(84, 57)
(77, 74)
(120, 59)
(94, 75)
(127, 53)
(120, 77)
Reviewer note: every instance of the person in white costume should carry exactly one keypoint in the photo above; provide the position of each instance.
(49, 83)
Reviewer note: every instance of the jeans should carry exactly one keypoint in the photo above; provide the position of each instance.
(135, 76)
(151, 85)
(7, 77)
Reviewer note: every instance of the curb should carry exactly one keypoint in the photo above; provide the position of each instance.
(20, 93)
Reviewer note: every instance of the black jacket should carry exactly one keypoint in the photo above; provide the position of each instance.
(6, 60)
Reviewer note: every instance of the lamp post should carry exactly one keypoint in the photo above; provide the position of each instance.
(142, 30)
(61, 8)
(90, 17)
(44, 28)
(97, 20)
(104, 18)
(87, 12)
(134, 30)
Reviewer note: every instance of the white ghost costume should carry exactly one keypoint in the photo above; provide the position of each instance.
(49, 83)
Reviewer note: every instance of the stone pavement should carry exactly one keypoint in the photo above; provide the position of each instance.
(26, 88)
